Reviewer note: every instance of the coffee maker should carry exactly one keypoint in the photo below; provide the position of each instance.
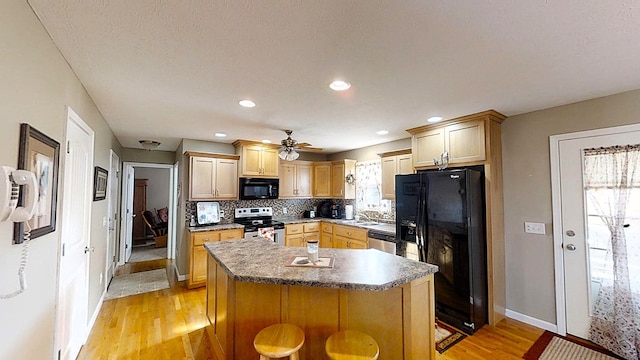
(336, 211)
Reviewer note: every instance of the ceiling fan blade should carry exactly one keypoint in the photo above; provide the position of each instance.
(304, 144)
(310, 149)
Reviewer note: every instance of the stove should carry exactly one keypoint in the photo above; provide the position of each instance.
(255, 219)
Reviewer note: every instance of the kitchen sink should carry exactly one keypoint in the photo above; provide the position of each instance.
(366, 223)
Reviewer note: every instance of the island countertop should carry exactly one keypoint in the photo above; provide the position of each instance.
(261, 261)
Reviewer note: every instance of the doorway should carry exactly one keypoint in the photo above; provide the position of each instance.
(165, 190)
(578, 248)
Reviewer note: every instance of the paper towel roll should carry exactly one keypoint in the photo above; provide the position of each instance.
(348, 212)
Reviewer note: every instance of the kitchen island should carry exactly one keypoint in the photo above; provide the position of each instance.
(386, 296)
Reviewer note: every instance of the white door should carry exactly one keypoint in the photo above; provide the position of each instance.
(574, 245)
(127, 205)
(112, 236)
(72, 319)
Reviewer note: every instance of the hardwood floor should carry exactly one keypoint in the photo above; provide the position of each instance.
(170, 324)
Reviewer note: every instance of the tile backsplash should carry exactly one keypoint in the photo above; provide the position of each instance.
(295, 207)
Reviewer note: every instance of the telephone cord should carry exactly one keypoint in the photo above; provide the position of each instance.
(23, 264)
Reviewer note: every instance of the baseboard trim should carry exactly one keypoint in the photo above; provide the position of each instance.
(178, 275)
(94, 317)
(532, 321)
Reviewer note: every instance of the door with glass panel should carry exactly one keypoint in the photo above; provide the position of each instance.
(600, 197)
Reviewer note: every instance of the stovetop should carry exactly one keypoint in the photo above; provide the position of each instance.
(255, 218)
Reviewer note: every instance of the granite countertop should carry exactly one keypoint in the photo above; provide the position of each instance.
(215, 227)
(262, 261)
(382, 227)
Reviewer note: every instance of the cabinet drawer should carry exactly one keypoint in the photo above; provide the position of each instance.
(232, 234)
(311, 227)
(350, 232)
(203, 237)
(327, 228)
(294, 229)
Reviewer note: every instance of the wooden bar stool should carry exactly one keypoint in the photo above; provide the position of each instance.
(351, 345)
(278, 341)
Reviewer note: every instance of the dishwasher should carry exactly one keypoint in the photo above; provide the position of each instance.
(382, 241)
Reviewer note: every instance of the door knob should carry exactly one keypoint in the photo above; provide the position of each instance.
(571, 247)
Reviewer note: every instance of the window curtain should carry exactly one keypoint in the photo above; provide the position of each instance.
(611, 176)
(368, 185)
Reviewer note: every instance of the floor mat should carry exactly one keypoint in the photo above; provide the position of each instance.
(446, 336)
(137, 283)
(147, 253)
(550, 346)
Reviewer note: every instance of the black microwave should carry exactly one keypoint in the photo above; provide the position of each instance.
(258, 188)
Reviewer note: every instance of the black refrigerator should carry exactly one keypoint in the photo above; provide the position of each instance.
(442, 213)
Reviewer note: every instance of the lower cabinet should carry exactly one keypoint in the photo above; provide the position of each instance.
(198, 254)
(349, 237)
(299, 234)
(326, 236)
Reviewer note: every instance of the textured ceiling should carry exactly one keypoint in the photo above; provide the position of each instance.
(169, 69)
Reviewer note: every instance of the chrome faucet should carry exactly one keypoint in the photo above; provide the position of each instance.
(365, 216)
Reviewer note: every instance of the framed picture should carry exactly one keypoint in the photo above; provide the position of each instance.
(100, 177)
(39, 154)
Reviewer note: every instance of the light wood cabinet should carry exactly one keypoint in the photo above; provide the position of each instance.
(295, 179)
(340, 187)
(326, 235)
(198, 254)
(474, 140)
(213, 176)
(464, 141)
(257, 159)
(394, 163)
(322, 179)
(297, 235)
(349, 237)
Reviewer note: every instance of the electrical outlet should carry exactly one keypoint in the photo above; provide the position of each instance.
(284, 210)
(534, 228)
(221, 214)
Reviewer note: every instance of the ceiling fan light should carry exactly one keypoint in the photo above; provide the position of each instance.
(149, 144)
(292, 155)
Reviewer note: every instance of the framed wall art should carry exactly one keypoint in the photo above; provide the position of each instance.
(100, 177)
(39, 154)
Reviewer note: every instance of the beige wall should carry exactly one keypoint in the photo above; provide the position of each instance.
(371, 152)
(36, 85)
(527, 192)
(146, 156)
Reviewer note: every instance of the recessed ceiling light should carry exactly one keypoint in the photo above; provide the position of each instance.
(434, 119)
(247, 103)
(382, 132)
(220, 135)
(265, 141)
(339, 85)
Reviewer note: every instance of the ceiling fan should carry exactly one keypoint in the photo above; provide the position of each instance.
(289, 147)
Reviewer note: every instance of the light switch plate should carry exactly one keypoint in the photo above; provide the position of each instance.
(534, 228)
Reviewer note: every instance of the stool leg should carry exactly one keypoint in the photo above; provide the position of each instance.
(262, 357)
(294, 356)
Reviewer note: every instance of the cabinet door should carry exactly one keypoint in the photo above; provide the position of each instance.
(198, 274)
(251, 160)
(326, 240)
(427, 145)
(340, 242)
(337, 180)
(404, 165)
(312, 236)
(357, 244)
(294, 240)
(270, 161)
(287, 187)
(202, 177)
(303, 181)
(227, 179)
(322, 180)
(465, 141)
(232, 234)
(389, 165)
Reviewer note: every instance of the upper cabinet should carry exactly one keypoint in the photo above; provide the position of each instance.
(343, 174)
(213, 176)
(295, 179)
(394, 163)
(322, 179)
(464, 139)
(257, 159)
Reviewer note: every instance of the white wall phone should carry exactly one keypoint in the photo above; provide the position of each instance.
(10, 182)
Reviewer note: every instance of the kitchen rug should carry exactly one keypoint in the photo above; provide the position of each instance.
(551, 346)
(137, 283)
(446, 336)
